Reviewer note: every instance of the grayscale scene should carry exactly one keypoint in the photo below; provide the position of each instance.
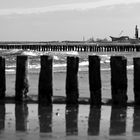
(69, 69)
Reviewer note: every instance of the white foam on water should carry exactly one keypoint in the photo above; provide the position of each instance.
(72, 53)
(105, 69)
(130, 67)
(55, 57)
(37, 66)
(10, 66)
(10, 70)
(105, 59)
(59, 65)
(12, 51)
(84, 63)
(29, 53)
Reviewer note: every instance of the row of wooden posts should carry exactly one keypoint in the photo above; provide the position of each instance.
(76, 47)
(118, 66)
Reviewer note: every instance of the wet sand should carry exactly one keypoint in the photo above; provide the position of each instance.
(31, 121)
(59, 84)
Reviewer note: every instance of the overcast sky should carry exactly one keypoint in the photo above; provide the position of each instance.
(45, 20)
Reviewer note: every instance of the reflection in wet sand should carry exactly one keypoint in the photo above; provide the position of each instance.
(118, 121)
(136, 120)
(82, 121)
(21, 114)
(71, 119)
(45, 118)
(2, 116)
(94, 120)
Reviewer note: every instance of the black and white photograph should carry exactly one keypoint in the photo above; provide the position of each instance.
(69, 69)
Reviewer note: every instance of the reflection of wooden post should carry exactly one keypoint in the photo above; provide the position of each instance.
(94, 80)
(119, 79)
(21, 114)
(71, 120)
(136, 62)
(94, 121)
(136, 119)
(22, 85)
(45, 80)
(72, 91)
(118, 121)
(2, 116)
(45, 118)
(2, 78)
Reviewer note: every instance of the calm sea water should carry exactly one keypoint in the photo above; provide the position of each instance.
(59, 58)
(59, 69)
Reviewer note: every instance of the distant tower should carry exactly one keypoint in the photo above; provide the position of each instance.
(136, 32)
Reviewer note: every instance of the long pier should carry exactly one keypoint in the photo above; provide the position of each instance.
(72, 46)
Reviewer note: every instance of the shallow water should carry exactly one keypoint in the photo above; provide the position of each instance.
(68, 122)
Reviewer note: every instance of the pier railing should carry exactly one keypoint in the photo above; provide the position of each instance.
(118, 66)
(80, 47)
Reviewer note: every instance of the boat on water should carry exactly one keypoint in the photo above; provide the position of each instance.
(127, 39)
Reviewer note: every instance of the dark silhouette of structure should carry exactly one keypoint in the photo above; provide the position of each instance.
(127, 39)
(136, 32)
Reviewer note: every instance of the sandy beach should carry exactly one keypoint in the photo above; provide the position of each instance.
(29, 121)
(59, 87)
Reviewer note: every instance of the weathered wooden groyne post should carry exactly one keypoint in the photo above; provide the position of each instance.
(136, 62)
(94, 80)
(45, 87)
(72, 91)
(2, 78)
(118, 80)
(22, 84)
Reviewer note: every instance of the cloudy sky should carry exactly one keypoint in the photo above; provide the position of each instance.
(46, 20)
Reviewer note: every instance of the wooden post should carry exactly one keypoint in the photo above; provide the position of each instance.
(2, 78)
(94, 80)
(119, 80)
(136, 62)
(45, 80)
(22, 84)
(72, 91)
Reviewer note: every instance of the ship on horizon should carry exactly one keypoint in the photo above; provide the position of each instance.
(127, 39)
